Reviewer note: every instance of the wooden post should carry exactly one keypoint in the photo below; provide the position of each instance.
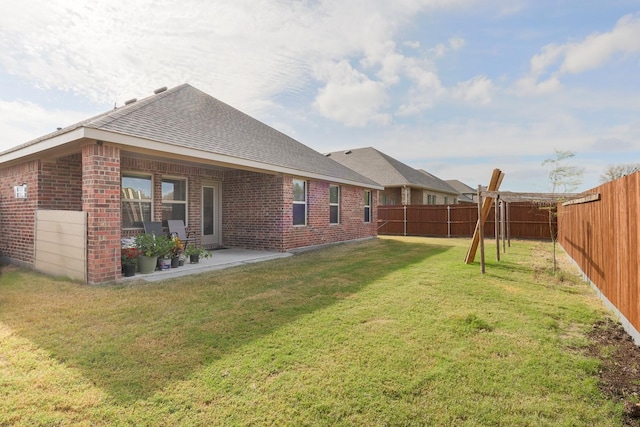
(502, 227)
(497, 226)
(494, 185)
(481, 225)
(405, 220)
(508, 224)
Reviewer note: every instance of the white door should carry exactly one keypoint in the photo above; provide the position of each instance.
(211, 214)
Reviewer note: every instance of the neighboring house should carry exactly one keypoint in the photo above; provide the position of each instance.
(180, 154)
(467, 194)
(403, 185)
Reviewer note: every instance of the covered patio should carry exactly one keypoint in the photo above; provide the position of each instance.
(219, 259)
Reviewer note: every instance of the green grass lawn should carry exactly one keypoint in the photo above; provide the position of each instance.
(392, 331)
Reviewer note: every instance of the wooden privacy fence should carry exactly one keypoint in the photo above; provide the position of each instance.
(525, 220)
(603, 238)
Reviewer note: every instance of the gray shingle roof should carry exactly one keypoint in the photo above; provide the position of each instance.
(187, 117)
(460, 186)
(388, 171)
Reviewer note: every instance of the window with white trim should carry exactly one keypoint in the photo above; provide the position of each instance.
(367, 206)
(334, 204)
(137, 197)
(174, 199)
(299, 202)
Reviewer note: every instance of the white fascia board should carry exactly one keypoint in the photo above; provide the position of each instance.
(222, 159)
(44, 145)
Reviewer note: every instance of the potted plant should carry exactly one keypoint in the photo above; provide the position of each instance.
(195, 253)
(166, 247)
(128, 258)
(152, 247)
(178, 247)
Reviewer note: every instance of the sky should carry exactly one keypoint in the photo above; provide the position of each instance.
(454, 87)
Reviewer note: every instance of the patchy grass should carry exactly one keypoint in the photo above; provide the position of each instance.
(394, 331)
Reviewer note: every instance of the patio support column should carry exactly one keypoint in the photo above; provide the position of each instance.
(101, 202)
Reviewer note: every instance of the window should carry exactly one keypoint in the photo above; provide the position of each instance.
(334, 204)
(136, 200)
(367, 206)
(299, 202)
(174, 199)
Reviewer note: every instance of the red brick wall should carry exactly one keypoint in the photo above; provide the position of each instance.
(101, 201)
(252, 211)
(61, 183)
(17, 216)
(318, 231)
(258, 213)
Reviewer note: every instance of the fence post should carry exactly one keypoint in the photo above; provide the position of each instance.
(502, 226)
(405, 219)
(481, 229)
(448, 221)
(508, 224)
(497, 225)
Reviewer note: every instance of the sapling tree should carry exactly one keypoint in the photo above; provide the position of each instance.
(562, 176)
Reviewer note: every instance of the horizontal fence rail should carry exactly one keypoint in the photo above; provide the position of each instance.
(526, 220)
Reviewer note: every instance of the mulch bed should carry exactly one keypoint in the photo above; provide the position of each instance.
(620, 373)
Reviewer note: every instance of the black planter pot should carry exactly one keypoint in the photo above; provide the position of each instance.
(129, 270)
(175, 262)
(194, 259)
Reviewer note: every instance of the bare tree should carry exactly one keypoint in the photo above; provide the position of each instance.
(618, 171)
(566, 177)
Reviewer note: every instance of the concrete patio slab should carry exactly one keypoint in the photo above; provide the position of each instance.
(219, 259)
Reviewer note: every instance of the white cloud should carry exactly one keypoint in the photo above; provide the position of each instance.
(478, 90)
(556, 60)
(456, 43)
(24, 121)
(597, 49)
(350, 97)
(441, 49)
(240, 51)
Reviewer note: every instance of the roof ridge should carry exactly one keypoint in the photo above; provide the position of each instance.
(126, 109)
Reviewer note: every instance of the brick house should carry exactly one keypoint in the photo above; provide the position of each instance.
(180, 154)
(403, 185)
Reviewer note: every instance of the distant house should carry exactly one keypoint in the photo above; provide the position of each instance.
(178, 154)
(403, 185)
(467, 194)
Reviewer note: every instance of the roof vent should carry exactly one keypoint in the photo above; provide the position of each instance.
(59, 128)
(328, 155)
(159, 90)
(347, 152)
(130, 101)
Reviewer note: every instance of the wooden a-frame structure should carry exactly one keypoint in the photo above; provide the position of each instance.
(491, 194)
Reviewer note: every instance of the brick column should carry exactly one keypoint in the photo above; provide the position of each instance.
(101, 201)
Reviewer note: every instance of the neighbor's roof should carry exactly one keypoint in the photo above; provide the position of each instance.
(184, 120)
(388, 171)
(460, 186)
